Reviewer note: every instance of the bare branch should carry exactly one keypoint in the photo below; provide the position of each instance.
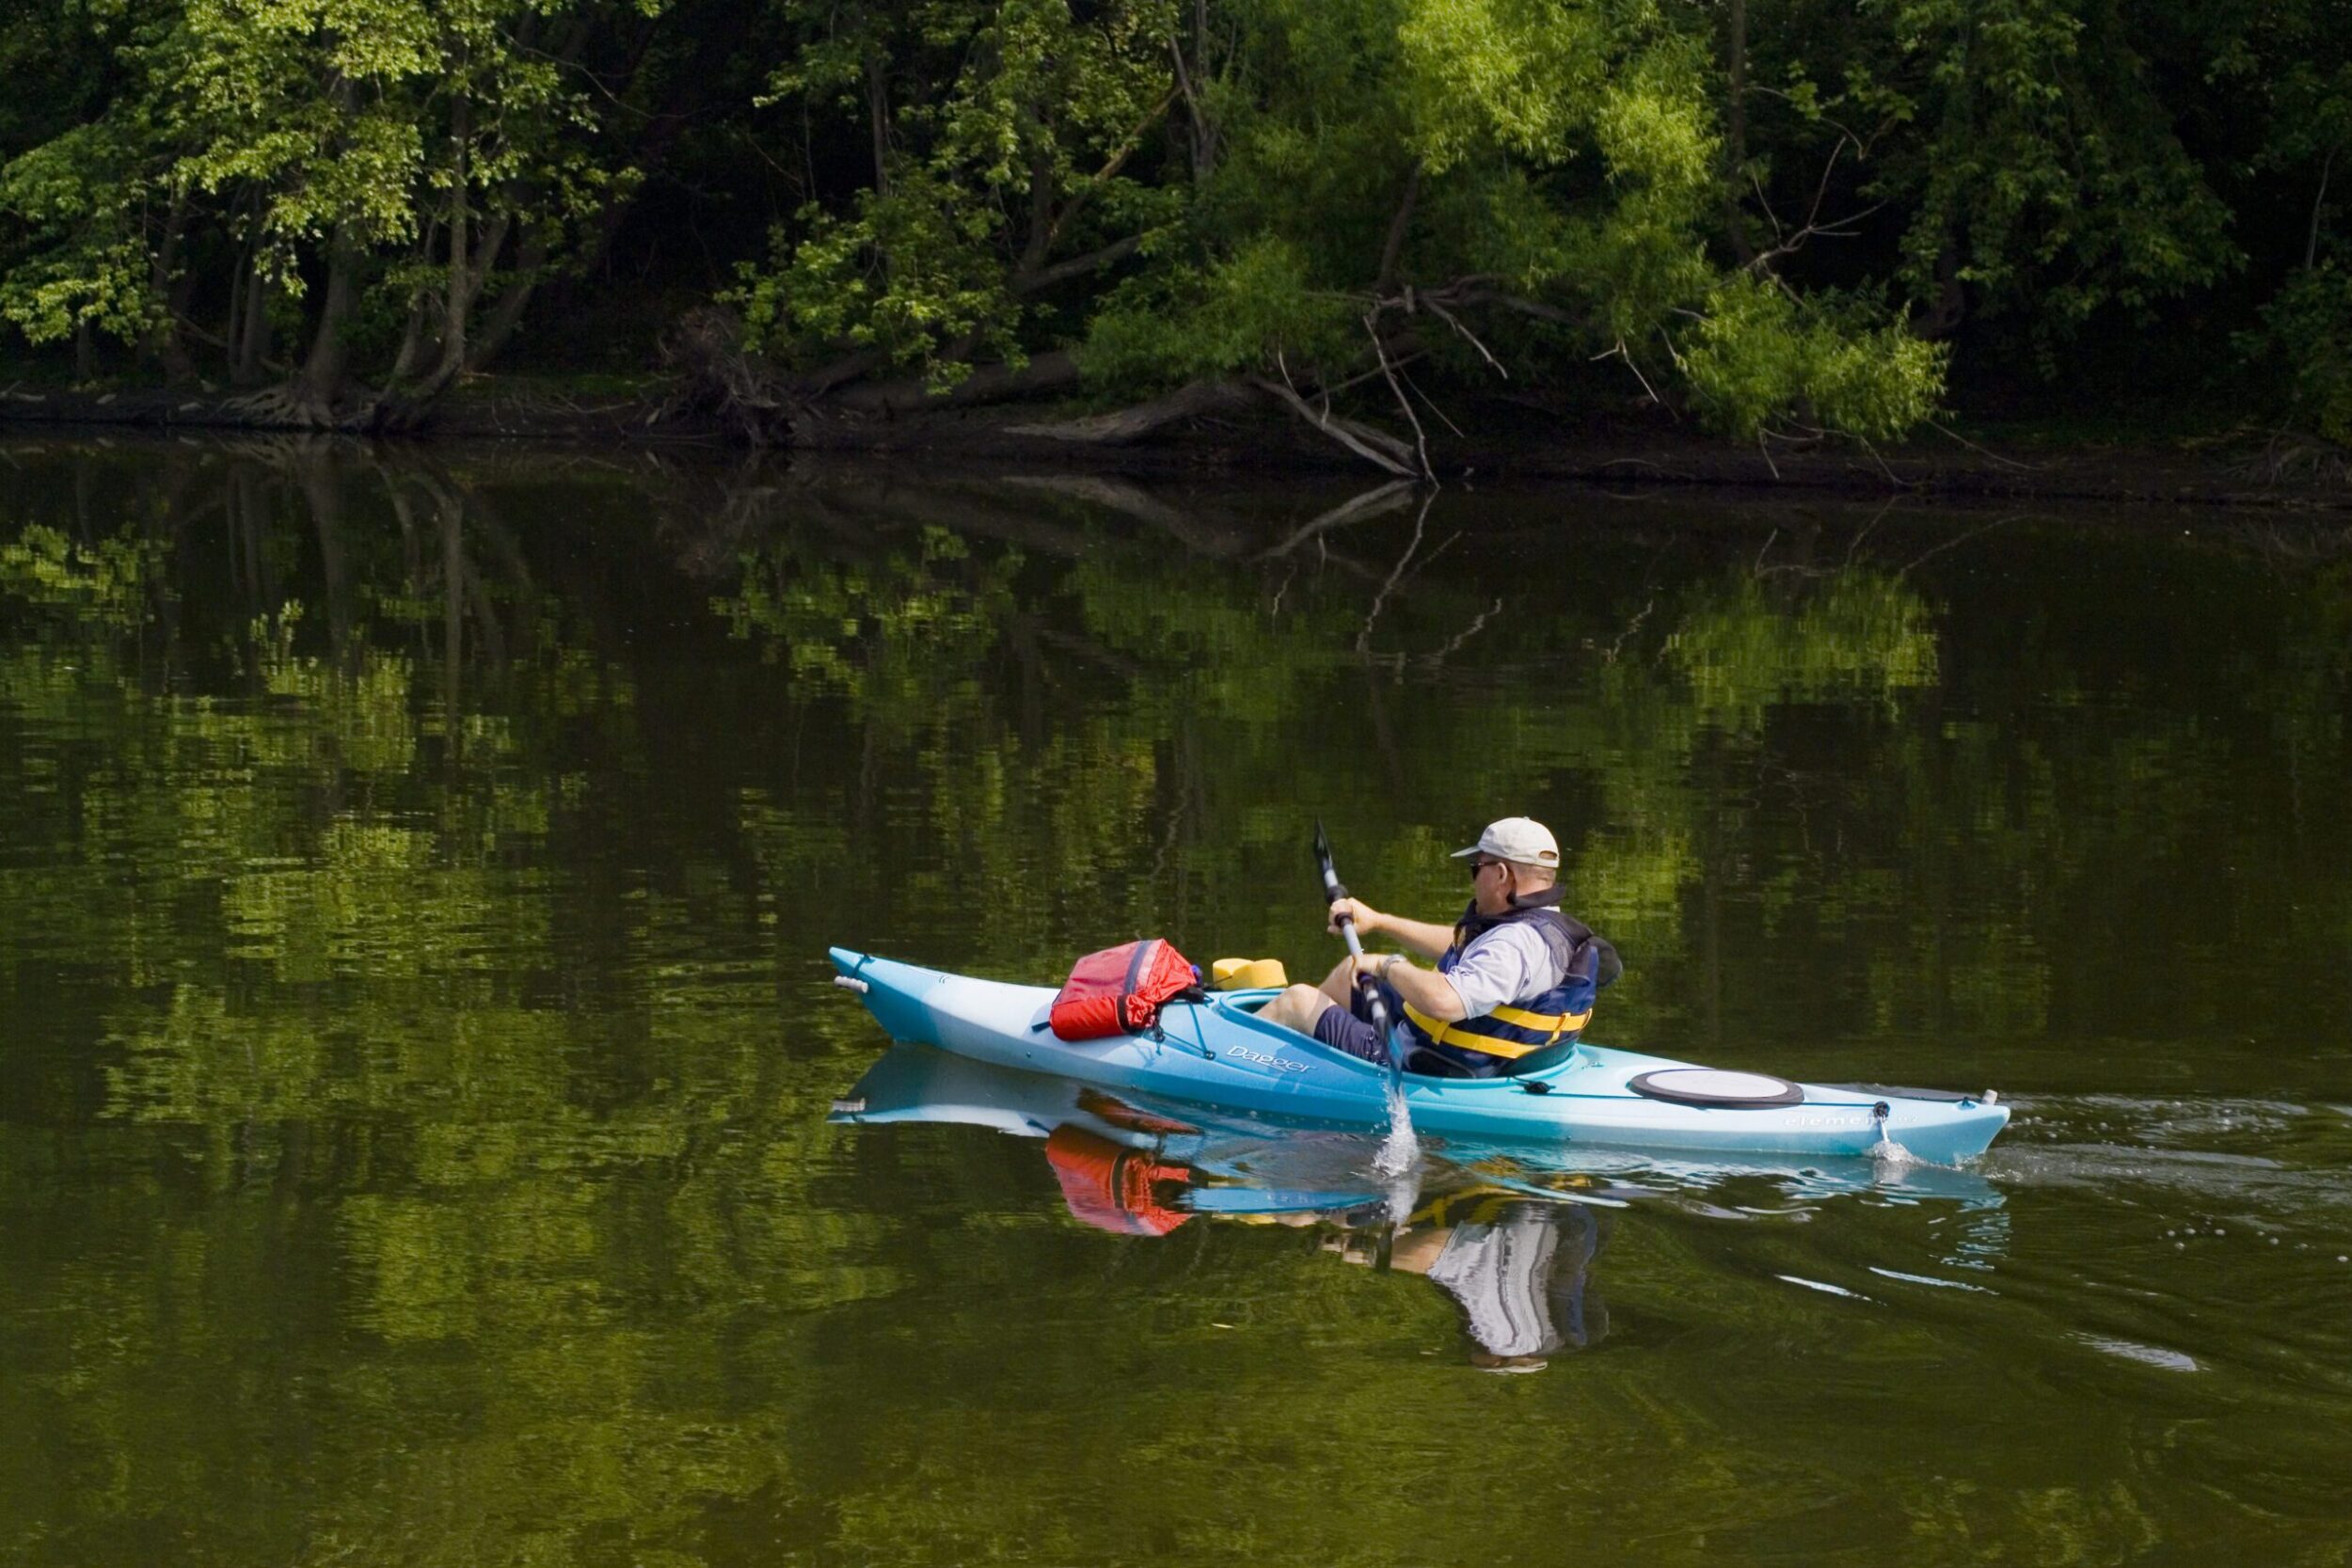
(1377, 448)
(2319, 205)
(1380, 600)
(1420, 440)
(1620, 352)
(1118, 159)
(1372, 503)
(1454, 322)
(1414, 387)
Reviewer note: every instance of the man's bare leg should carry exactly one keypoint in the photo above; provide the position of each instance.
(1298, 1006)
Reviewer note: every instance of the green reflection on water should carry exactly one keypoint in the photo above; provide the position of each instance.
(414, 878)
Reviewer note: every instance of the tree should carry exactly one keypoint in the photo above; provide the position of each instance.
(385, 174)
(1000, 140)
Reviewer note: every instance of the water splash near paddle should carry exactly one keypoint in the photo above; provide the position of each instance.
(1400, 1152)
(1887, 1153)
(1401, 1149)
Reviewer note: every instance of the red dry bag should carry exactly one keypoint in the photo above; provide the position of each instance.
(1120, 990)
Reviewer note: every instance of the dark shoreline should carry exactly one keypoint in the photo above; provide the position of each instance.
(1619, 454)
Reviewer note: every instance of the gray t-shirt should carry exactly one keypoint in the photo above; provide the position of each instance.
(1505, 965)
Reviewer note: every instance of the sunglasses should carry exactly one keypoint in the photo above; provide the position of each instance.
(1476, 866)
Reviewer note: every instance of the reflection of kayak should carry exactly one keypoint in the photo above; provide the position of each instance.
(1306, 1174)
(1513, 1256)
(1241, 1165)
(1219, 1054)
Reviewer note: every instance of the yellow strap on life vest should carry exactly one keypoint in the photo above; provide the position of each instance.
(1454, 1035)
(1556, 1024)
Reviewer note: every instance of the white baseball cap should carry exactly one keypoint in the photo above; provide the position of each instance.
(1517, 838)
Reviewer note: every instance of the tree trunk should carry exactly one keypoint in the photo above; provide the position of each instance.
(1375, 447)
(182, 294)
(164, 343)
(1201, 131)
(2319, 207)
(457, 293)
(1736, 137)
(507, 315)
(1392, 248)
(320, 384)
(1942, 319)
(232, 338)
(253, 343)
(413, 346)
(1040, 236)
(878, 113)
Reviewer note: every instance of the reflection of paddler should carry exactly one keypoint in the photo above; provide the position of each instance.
(1516, 1267)
(1109, 1185)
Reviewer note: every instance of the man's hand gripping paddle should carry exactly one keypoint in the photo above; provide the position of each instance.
(1332, 892)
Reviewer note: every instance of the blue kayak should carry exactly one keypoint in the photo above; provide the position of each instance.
(1218, 1053)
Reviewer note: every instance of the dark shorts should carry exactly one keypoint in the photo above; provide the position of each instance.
(1350, 1029)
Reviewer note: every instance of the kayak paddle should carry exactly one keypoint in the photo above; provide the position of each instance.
(1332, 892)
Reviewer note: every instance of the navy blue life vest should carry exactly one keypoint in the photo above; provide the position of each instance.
(1532, 1033)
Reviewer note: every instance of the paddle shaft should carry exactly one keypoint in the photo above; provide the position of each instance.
(1333, 891)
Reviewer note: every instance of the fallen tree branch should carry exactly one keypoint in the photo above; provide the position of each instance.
(1376, 447)
(1045, 375)
(1133, 424)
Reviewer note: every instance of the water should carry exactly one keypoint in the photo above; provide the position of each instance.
(1400, 1149)
(417, 1064)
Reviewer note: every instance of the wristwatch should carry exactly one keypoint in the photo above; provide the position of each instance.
(1386, 964)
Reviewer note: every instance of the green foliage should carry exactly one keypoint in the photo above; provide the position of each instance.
(416, 147)
(1840, 363)
(902, 639)
(1182, 190)
(2309, 327)
(1567, 152)
(1007, 149)
(909, 273)
(1257, 308)
(107, 584)
(1860, 637)
(2046, 168)
(80, 203)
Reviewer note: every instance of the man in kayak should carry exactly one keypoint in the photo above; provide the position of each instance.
(1514, 982)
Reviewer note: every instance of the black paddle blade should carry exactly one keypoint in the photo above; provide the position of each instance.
(1331, 887)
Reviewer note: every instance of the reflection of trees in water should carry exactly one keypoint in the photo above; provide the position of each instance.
(364, 906)
(1089, 701)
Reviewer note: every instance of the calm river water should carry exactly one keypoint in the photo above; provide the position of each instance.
(416, 1051)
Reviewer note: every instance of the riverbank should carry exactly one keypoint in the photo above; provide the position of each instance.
(1495, 440)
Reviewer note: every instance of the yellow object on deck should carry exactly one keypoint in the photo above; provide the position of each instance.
(1247, 974)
